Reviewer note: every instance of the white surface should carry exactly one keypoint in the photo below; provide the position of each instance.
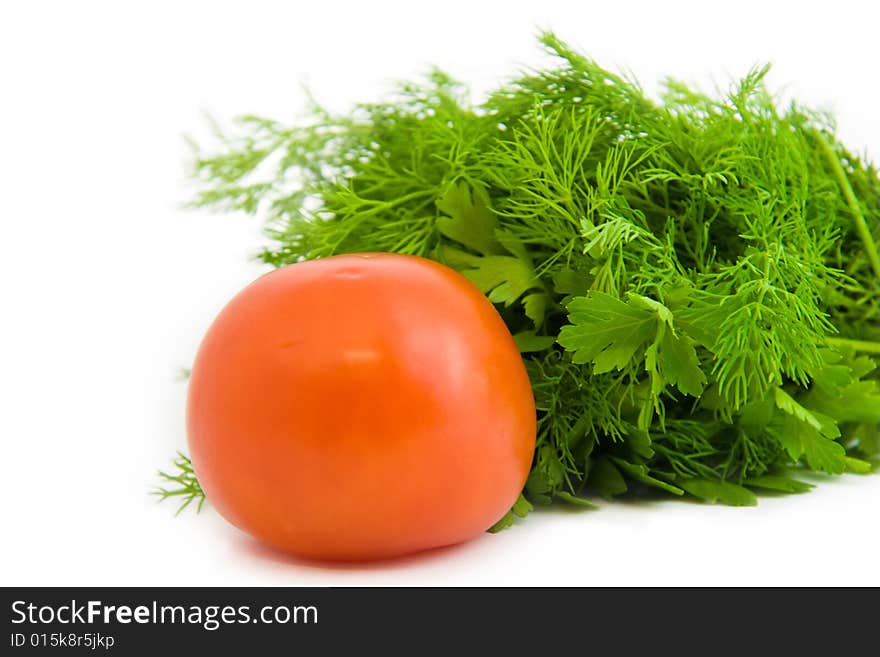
(108, 284)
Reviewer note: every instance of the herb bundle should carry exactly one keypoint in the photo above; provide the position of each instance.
(693, 282)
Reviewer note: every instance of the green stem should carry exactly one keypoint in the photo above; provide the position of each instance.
(861, 226)
(858, 345)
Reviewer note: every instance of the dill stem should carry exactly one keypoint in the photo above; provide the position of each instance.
(858, 345)
(849, 195)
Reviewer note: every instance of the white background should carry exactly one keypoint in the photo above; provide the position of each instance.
(108, 285)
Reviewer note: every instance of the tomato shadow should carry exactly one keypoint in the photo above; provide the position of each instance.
(266, 553)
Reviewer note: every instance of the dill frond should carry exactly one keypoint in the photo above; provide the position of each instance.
(180, 485)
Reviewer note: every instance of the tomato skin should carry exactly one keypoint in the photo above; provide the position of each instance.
(359, 407)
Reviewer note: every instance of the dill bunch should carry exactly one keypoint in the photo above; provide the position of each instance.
(693, 281)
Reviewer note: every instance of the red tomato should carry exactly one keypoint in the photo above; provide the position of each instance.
(360, 406)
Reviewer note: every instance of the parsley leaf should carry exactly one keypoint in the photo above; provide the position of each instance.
(612, 333)
(811, 435)
(468, 219)
(778, 483)
(718, 491)
(606, 331)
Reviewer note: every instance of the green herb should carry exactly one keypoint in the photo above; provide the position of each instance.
(694, 281)
(182, 485)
